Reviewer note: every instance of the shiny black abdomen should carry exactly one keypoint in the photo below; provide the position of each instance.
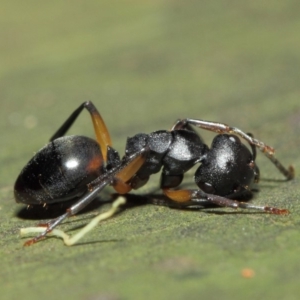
(60, 171)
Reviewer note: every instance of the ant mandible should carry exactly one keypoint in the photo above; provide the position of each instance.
(78, 167)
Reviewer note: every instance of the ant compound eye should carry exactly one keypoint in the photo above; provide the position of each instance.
(206, 187)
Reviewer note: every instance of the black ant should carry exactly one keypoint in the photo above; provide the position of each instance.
(78, 167)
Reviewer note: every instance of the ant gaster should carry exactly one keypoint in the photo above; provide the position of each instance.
(78, 167)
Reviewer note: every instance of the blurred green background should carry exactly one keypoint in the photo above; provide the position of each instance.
(145, 64)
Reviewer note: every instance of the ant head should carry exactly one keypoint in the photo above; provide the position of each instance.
(228, 168)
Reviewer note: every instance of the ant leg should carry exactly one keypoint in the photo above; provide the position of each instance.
(122, 181)
(183, 197)
(288, 173)
(192, 197)
(101, 131)
(253, 148)
(93, 189)
(222, 128)
(71, 240)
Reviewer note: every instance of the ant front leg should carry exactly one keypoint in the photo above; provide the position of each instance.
(198, 197)
(222, 128)
(125, 169)
(101, 131)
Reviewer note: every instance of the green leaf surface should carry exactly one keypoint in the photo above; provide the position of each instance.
(145, 64)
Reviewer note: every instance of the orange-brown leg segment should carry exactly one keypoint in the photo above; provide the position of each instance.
(180, 196)
(101, 131)
(102, 134)
(194, 197)
(121, 187)
(121, 181)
